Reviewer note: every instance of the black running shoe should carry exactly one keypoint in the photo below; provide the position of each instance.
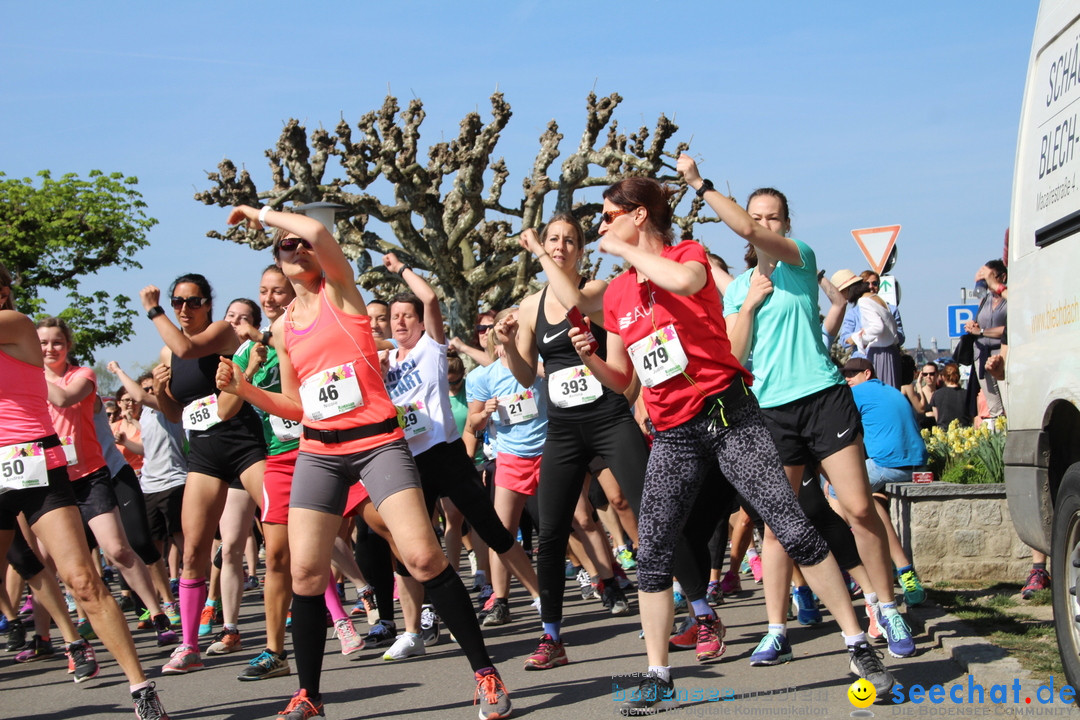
(82, 658)
(16, 639)
(148, 704)
(865, 662)
(652, 695)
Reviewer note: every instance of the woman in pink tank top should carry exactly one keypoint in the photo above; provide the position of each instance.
(72, 402)
(44, 494)
(331, 380)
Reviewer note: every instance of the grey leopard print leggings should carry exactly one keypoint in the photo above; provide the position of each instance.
(678, 465)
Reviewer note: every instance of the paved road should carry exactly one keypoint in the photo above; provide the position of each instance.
(439, 685)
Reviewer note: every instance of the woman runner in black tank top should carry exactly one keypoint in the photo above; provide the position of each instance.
(224, 445)
(585, 420)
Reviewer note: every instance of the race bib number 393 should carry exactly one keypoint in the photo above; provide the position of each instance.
(23, 466)
(573, 386)
(658, 357)
(331, 392)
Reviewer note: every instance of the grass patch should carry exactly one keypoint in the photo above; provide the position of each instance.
(995, 614)
(1041, 597)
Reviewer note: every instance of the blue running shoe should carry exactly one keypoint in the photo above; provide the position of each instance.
(772, 650)
(805, 606)
(897, 633)
(680, 601)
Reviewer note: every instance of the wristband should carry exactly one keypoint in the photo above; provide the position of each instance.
(401, 272)
(706, 186)
(265, 339)
(154, 312)
(262, 214)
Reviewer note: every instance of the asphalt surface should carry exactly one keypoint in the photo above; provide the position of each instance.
(439, 685)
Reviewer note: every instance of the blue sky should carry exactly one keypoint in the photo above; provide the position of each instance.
(864, 114)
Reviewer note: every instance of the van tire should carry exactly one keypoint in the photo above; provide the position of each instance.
(1065, 572)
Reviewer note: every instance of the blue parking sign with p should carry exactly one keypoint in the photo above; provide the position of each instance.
(959, 315)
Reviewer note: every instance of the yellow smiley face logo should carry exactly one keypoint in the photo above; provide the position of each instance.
(861, 693)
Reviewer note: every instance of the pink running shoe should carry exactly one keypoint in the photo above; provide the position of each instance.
(710, 639)
(874, 631)
(730, 583)
(346, 633)
(184, 659)
(755, 567)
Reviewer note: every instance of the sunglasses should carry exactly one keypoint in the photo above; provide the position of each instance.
(851, 373)
(148, 389)
(290, 244)
(484, 328)
(192, 302)
(607, 217)
(929, 374)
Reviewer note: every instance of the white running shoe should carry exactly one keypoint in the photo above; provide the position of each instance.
(405, 646)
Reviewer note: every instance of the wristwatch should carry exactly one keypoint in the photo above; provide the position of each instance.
(155, 311)
(706, 186)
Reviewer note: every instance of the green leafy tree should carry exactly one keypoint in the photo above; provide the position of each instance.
(56, 233)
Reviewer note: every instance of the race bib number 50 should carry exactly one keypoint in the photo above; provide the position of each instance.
(23, 466)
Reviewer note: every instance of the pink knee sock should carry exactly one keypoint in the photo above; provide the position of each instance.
(333, 602)
(192, 598)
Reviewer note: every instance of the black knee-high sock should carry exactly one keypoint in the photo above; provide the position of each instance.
(375, 560)
(451, 600)
(309, 640)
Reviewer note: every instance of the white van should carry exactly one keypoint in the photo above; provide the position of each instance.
(1042, 454)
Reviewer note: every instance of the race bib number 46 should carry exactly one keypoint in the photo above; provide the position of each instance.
(23, 466)
(658, 357)
(331, 392)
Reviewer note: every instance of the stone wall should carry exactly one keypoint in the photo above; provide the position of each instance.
(958, 532)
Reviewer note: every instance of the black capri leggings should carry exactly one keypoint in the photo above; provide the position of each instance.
(447, 471)
(132, 504)
(678, 467)
(568, 450)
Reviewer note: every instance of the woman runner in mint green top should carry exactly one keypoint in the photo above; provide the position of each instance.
(771, 313)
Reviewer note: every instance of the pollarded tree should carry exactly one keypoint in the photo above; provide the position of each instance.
(446, 211)
(53, 236)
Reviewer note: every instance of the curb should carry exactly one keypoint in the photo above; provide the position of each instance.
(987, 663)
